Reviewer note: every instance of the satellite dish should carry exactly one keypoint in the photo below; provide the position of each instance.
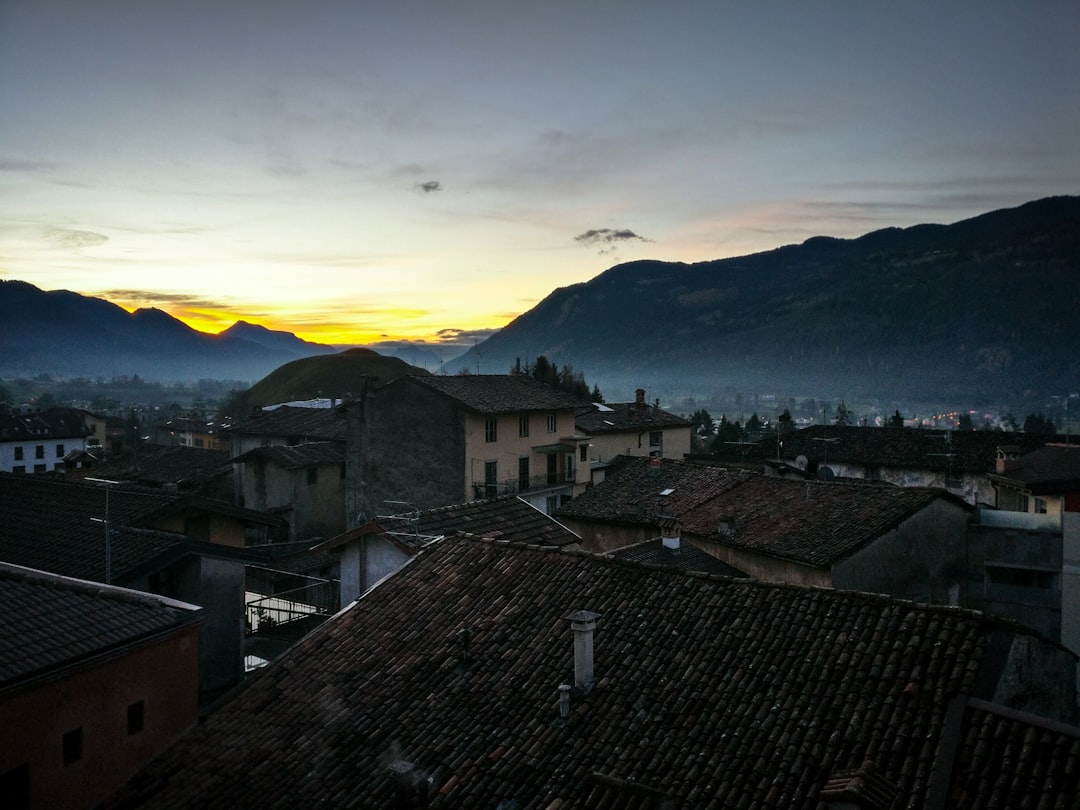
(801, 462)
(825, 473)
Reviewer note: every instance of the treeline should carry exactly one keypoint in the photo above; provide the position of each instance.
(564, 378)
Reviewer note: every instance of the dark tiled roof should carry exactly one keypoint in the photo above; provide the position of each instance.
(808, 522)
(805, 521)
(287, 421)
(634, 490)
(621, 416)
(299, 455)
(48, 425)
(160, 464)
(962, 451)
(500, 393)
(507, 518)
(686, 558)
(1052, 469)
(52, 622)
(55, 526)
(709, 692)
(1005, 758)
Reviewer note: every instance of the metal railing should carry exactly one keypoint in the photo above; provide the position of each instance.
(514, 486)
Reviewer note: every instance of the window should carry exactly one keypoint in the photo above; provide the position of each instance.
(552, 422)
(584, 450)
(72, 745)
(312, 475)
(135, 717)
(523, 425)
(59, 451)
(656, 438)
(523, 473)
(39, 451)
(15, 787)
(491, 425)
(491, 476)
(40, 468)
(18, 454)
(1040, 506)
(552, 504)
(19, 468)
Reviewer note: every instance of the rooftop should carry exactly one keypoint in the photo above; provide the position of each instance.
(52, 621)
(616, 417)
(498, 393)
(709, 692)
(1052, 469)
(298, 455)
(810, 522)
(288, 422)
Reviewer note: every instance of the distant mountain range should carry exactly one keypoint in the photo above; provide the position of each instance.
(984, 309)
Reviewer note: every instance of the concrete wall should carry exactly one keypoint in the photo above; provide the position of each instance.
(1032, 675)
(1070, 584)
(162, 673)
(605, 446)
(924, 558)
(761, 566)
(405, 443)
(314, 510)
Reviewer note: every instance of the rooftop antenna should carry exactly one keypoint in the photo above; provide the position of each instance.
(108, 533)
(826, 441)
(950, 481)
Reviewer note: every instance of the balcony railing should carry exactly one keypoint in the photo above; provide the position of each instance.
(515, 486)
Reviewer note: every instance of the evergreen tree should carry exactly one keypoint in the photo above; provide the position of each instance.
(896, 420)
(965, 423)
(1037, 423)
(843, 415)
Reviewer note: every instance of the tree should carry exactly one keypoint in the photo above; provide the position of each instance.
(596, 396)
(785, 423)
(896, 420)
(703, 424)
(726, 433)
(843, 415)
(1008, 421)
(964, 422)
(1037, 423)
(754, 427)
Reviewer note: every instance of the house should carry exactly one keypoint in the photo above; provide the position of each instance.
(490, 674)
(286, 425)
(375, 550)
(191, 431)
(633, 429)
(302, 483)
(908, 542)
(95, 681)
(956, 460)
(435, 440)
(173, 469)
(182, 547)
(43, 441)
(1025, 553)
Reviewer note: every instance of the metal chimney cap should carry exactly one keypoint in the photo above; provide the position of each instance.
(583, 616)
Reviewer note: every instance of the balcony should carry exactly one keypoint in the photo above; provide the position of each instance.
(516, 486)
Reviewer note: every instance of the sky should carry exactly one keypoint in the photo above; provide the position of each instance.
(361, 172)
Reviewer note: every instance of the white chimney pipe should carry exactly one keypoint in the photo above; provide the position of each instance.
(583, 622)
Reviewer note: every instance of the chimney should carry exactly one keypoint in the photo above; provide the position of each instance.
(639, 397)
(583, 623)
(671, 535)
(1008, 458)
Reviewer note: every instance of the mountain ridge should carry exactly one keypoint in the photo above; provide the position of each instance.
(926, 311)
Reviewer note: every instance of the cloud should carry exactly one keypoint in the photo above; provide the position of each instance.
(150, 298)
(607, 238)
(15, 165)
(430, 186)
(70, 238)
(463, 338)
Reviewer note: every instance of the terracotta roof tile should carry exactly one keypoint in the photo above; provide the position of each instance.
(286, 421)
(51, 621)
(709, 692)
(499, 393)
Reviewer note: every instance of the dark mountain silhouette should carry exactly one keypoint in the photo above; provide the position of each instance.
(985, 308)
(64, 333)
